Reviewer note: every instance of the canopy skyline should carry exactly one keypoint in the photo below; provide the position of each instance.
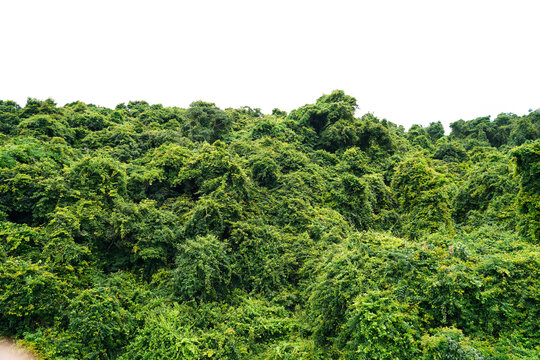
(411, 63)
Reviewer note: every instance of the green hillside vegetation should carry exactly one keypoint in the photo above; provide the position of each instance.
(151, 232)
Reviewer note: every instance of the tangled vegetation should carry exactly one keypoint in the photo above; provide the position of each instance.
(148, 232)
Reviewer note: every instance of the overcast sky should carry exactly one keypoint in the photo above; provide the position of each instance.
(408, 61)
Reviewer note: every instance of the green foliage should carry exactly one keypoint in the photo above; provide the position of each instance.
(488, 182)
(278, 112)
(265, 260)
(213, 167)
(450, 152)
(422, 197)
(328, 110)
(99, 176)
(449, 343)
(152, 232)
(206, 122)
(9, 118)
(379, 327)
(48, 126)
(277, 129)
(164, 336)
(528, 167)
(236, 331)
(438, 284)
(100, 322)
(344, 299)
(265, 172)
(435, 130)
(366, 133)
(31, 296)
(203, 270)
(28, 168)
(525, 128)
(507, 129)
(35, 106)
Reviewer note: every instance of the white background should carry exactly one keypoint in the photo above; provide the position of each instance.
(408, 61)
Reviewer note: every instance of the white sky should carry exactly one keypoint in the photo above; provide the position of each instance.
(409, 61)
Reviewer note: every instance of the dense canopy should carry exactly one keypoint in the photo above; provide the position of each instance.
(151, 232)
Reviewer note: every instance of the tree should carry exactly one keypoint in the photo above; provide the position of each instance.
(206, 122)
(435, 130)
(528, 167)
(203, 270)
(47, 125)
(422, 197)
(327, 110)
(9, 119)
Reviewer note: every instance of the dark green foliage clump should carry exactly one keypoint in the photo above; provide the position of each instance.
(528, 168)
(148, 232)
